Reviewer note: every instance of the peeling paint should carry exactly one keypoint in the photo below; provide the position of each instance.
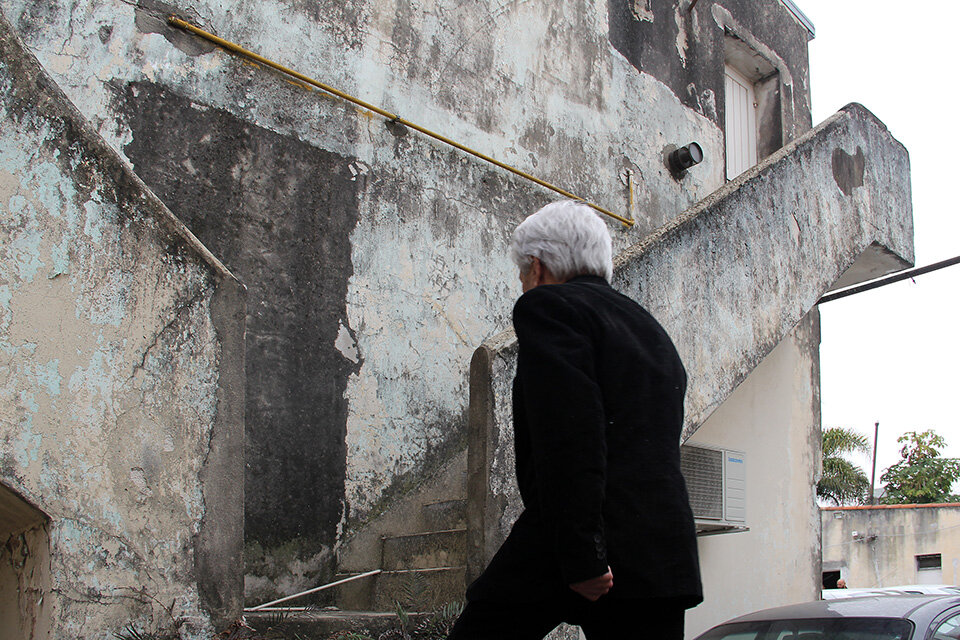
(48, 376)
(109, 442)
(151, 17)
(679, 17)
(346, 345)
(641, 10)
(848, 169)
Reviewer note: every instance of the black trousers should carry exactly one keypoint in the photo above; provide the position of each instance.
(607, 618)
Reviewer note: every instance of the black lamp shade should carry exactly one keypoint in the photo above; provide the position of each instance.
(685, 157)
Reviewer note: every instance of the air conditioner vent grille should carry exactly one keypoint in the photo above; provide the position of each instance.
(703, 472)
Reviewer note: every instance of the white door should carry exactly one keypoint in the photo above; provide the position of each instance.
(741, 123)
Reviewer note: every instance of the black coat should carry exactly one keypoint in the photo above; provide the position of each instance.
(598, 412)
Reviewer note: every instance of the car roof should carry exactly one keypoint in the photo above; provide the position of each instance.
(917, 607)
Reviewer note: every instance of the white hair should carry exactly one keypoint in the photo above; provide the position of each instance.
(569, 239)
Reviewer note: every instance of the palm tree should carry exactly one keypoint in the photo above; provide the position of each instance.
(842, 481)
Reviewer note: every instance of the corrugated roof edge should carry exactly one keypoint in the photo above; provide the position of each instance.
(799, 15)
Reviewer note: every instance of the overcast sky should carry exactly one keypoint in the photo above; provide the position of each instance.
(893, 355)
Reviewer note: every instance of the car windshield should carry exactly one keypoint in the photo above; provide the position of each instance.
(827, 629)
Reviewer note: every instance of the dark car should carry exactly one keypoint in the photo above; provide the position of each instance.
(888, 617)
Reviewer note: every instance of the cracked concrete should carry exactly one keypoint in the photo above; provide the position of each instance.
(121, 382)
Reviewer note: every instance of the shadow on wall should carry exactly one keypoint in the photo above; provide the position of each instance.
(24, 568)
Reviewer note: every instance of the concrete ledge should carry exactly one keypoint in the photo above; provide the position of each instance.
(320, 625)
(427, 550)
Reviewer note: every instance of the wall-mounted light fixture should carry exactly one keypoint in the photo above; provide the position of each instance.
(679, 160)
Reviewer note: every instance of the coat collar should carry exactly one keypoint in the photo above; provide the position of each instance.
(589, 279)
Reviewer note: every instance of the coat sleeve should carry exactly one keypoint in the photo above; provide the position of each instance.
(564, 412)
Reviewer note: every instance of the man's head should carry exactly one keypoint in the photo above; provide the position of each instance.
(563, 240)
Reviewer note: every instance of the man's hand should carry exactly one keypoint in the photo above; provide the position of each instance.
(593, 588)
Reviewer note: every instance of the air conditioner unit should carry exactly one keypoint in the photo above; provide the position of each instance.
(717, 484)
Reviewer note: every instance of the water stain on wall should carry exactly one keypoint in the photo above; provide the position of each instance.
(848, 169)
(278, 212)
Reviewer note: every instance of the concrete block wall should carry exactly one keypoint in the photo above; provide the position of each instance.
(121, 386)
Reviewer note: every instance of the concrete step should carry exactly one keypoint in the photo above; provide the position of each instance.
(356, 595)
(425, 550)
(419, 589)
(324, 625)
(415, 590)
(321, 625)
(423, 509)
(445, 514)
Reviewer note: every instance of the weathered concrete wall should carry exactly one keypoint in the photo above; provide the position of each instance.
(281, 212)
(733, 275)
(121, 386)
(774, 418)
(889, 538)
(361, 330)
(681, 48)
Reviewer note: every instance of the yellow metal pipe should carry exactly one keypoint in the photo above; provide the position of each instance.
(237, 49)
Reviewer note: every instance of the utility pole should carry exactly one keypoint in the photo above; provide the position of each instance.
(873, 474)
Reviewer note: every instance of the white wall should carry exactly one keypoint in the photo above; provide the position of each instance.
(773, 417)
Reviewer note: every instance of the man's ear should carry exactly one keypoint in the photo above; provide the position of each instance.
(535, 272)
(545, 276)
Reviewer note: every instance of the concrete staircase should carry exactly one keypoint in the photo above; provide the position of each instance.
(420, 545)
(728, 279)
(422, 571)
(322, 625)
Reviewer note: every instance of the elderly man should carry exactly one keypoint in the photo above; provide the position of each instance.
(606, 540)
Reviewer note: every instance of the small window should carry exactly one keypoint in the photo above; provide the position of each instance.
(830, 579)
